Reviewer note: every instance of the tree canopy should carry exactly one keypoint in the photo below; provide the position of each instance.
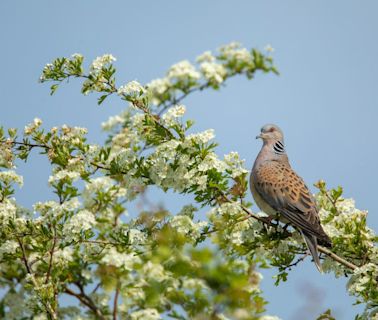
(117, 262)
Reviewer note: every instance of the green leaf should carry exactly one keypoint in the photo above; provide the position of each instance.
(101, 99)
(53, 88)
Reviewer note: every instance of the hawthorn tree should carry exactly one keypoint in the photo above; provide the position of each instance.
(155, 264)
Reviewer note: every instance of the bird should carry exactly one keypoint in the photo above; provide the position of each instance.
(282, 194)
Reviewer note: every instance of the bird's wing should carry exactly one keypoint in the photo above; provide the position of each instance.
(286, 192)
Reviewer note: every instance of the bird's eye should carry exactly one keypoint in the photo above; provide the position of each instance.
(272, 129)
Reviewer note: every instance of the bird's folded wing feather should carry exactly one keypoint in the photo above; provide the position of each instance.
(287, 193)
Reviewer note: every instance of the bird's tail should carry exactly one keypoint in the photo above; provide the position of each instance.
(312, 244)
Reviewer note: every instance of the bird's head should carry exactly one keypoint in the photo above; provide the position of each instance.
(270, 133)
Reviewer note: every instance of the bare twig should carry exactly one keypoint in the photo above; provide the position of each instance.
(85, 300)
(115, 304)
(337, 258)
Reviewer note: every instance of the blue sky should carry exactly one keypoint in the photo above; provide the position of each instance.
(325, 99)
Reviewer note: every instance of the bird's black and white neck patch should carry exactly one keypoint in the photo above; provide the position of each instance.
(279, 148)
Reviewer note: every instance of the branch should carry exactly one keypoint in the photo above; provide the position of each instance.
(85, 300)
(337, 258)
(51, 257)
(46, 304)
(329, 253)
(115, 304)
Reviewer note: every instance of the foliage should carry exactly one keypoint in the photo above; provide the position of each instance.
(155, 263)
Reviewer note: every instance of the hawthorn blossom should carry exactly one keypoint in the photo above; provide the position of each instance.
(81, 221)
(133, 88)
(146, 314)
(183, 71)
(101, 61)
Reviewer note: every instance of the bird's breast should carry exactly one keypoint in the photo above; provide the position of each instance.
(261, 203)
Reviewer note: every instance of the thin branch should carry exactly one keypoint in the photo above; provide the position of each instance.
(296, 262)
(85, 300)
(31, 145)
(46, 304)
(337, 258)
(115, 304)
(51, 256)
(24, 257)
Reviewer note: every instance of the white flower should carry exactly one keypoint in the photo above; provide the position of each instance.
(11, 176)
(154, 271)
(201, 181)
(185, 225)
(211, 161)
(194, 284)
(362, 278)
(117, 259)
(41, 316)
(86, 274)
(146, 314)
(6, 154)
(64, 175)
(136, 236)
(99, 62)
(77, 56)
(112, 122)
(235, 164)
(213, 72)
(9, 247)
(133, 88)
(207, 56)
(82, 221)
(63, 256)
(202, 137)
(237, 238)
(54, 208)
(269, 318)
(157, 88)
(31, 127)
(183, 71)
(234, 52)
(170, 117)
(269, 48)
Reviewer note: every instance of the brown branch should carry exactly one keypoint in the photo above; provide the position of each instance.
(329, 253)
(115, 304)
(24, 257)
(46, 304)
(337, 258)
(296, 262)
(85, 300)
(51, 257)
(31, 145)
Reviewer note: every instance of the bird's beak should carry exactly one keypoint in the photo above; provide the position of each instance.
(259, 136)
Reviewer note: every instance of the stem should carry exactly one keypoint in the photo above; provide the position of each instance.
(51, 257)
(46, 304)
(337, 258)
(115, 304)
(85, 300)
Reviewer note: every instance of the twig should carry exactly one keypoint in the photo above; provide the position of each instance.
(46, 304)
(115, 304)
(296, 262)
(337, 258)
(51, 257)
(85, 300)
